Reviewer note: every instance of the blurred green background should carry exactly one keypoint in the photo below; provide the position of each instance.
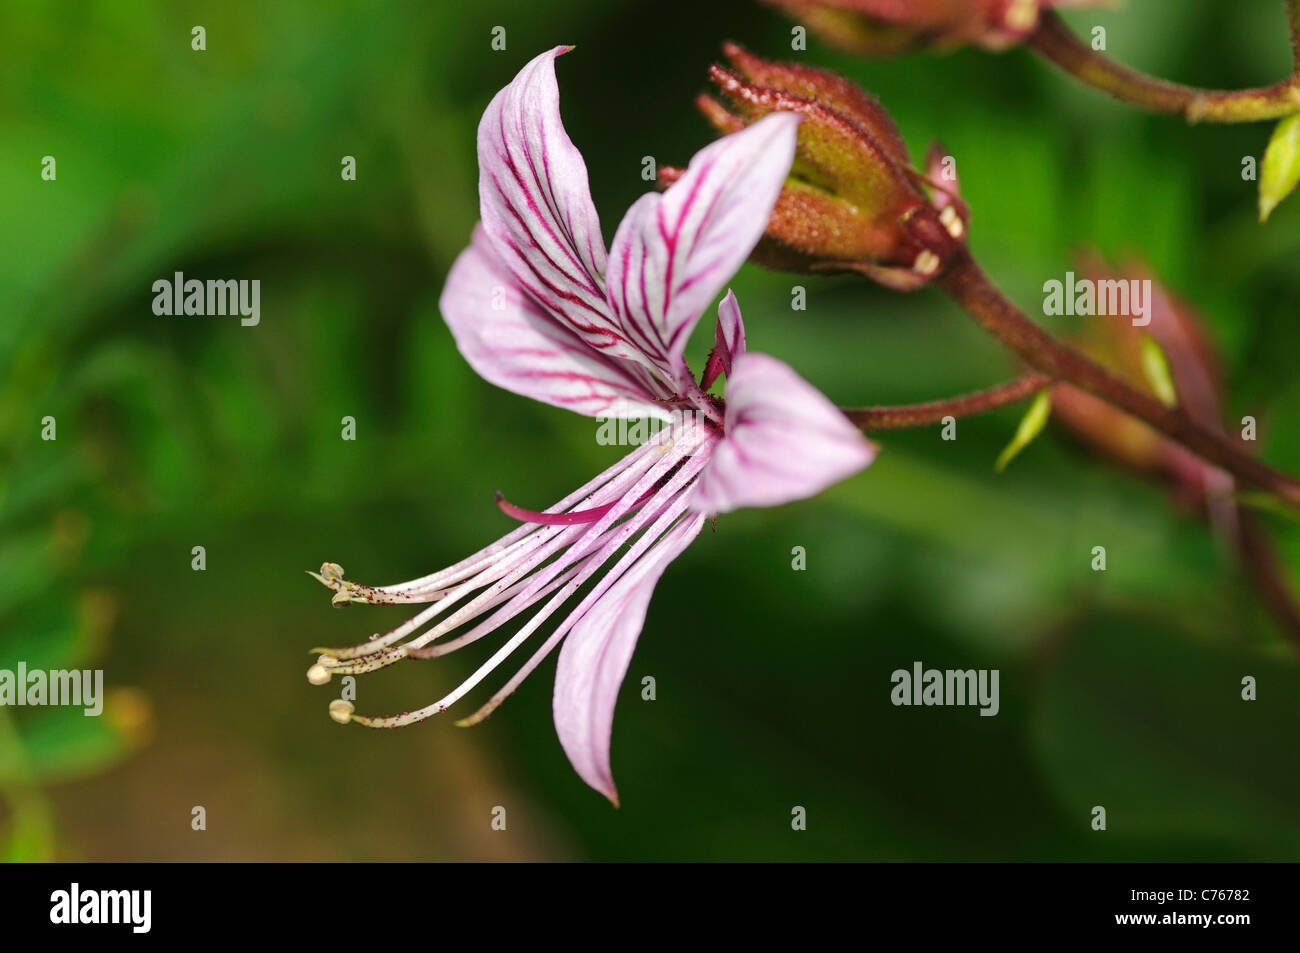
(1118, 689)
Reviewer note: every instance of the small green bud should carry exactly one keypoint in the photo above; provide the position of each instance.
(1280, 171)
(1155, 365)
(1031, 425)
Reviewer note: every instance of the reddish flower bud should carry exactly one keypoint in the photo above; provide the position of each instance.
(853, 200)
(881, 27)
(1192, 368)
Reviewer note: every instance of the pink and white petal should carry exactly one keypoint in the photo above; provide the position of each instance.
(536, 204)
(595, 656)
(783, 441)
(675, 251)
(728, 341)
(514, 343)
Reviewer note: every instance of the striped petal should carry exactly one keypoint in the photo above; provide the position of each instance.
(783, 441)
(511, 341)
(536, 206)
(595, 657)
(675, 251)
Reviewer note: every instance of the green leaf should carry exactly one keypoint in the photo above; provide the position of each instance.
(30, 835)
(1031, 425)
(1280, 170)
(1156, 367)
(62, 744)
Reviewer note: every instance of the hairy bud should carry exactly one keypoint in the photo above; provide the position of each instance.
(1193, 373)
(853, 200)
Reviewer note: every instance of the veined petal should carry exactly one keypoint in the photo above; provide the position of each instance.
(595, 657)
(675, 251)
(512, 342)
(537, 209)
(783, 440)
(728, 341)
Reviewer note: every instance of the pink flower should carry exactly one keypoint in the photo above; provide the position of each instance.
(538, 306)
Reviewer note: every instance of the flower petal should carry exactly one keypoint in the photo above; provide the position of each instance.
(783, 441)
(512, 342)
(675, 251)
(728, 341)
(537, 209)
(595, 657)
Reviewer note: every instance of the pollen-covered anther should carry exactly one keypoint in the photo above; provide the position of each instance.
(333, 572)
(341, 711)
(341, 598)
(950, 220)
(1021, 15)
(318, 674)
(926, 263)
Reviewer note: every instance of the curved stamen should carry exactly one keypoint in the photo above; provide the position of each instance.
(509, 565)
(577, 543)
(675, 503)
(690, 525)
(593, 488)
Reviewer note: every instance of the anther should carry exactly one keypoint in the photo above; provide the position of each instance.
(927, 263)
(952, 221)
(318, 674)
(341, 711)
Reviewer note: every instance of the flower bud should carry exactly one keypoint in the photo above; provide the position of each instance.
(853, 200)
(1192, 371)
(883, 27)
(1279, 173)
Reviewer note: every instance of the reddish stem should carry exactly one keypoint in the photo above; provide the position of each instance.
(1054, 40)
(972, 289)
(933, 412)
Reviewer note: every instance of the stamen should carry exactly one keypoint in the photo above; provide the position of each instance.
(952, 221)
(926, 263)
(658, 494)
(574, 541)
(1021, 15)
(498, 618)
(593, 488)
(341, 711)
(656, 532)
(675, 503)
(495, 561)
(318, 674)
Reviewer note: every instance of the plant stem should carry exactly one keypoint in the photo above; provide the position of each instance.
(1054, 41)
(922, 415)
(971, 288)
(1268, 577)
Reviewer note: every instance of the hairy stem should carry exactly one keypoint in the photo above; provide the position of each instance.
(971, 288)
(921, 415)
(1054, 40)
